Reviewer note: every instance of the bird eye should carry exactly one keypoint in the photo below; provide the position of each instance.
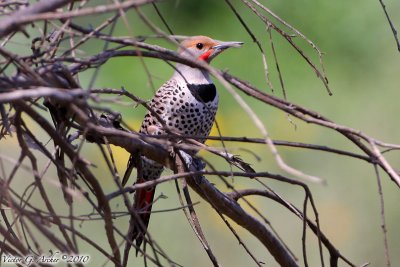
(199, 46)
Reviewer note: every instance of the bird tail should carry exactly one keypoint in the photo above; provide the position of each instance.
(142, 204)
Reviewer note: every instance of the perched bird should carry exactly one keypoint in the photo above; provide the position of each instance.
(187, 103)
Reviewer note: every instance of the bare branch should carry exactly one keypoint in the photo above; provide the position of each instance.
(396, 38)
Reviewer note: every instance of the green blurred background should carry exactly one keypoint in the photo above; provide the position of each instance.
(362, 66)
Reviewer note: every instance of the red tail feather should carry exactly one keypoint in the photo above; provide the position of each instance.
(142, 204)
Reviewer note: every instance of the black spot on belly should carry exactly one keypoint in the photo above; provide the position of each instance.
(203, 92)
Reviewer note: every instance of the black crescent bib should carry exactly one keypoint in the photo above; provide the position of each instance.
(203, 92)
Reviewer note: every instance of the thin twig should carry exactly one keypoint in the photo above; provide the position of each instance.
(396, 38)
(383, 222)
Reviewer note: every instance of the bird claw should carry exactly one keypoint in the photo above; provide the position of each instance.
(198, 164)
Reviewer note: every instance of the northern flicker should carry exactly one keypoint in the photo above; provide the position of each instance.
(187, 103)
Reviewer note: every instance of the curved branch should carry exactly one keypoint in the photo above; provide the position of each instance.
(15, 20)
(230, 208)
(334, 253)
(37, 11)
(82, 167)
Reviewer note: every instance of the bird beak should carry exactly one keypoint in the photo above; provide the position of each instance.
(221, 46)
(225, 45)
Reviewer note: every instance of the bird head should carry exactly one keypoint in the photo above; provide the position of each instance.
(204, 48)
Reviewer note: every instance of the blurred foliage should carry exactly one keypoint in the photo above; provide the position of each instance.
(362, 65)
